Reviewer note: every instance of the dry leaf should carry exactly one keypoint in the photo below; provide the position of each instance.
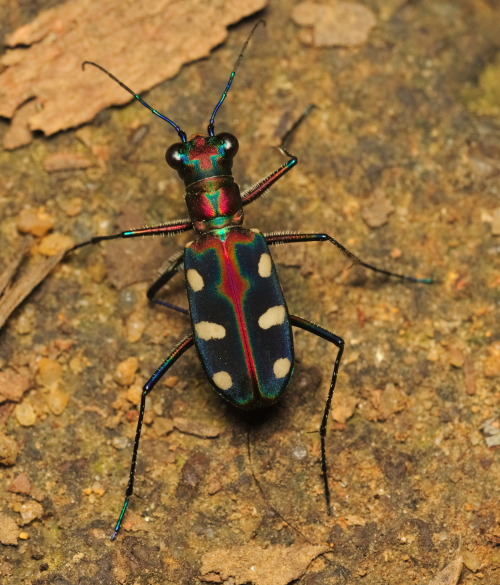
(449, 575)
(275, 565)
(339, 24)
(43, 86)
(27, 282)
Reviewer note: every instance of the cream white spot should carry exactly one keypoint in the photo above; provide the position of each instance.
(255, 230)
(189, 244)
(265, 265)
(207, 330)
(195, 279)
(281, 367)
(223, 380)
(273, 316)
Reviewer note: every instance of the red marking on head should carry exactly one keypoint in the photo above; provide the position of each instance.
(203, 152)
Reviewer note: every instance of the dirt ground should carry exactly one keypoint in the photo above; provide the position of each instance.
(399, 162)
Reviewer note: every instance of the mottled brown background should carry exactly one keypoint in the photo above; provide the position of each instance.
(407, 123)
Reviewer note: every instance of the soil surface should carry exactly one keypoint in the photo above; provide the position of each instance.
(399, 161)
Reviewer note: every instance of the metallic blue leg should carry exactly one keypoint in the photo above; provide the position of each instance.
(292, 238)
(176, 353)
(339, 343)
(174, 265)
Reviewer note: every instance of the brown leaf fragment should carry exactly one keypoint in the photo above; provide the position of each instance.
(275, 565)
(336, 24)
(7, 274)
(153, 41)
(19, 133)
(27, 282)
(197, 428)
(66, 161)
(449, 575)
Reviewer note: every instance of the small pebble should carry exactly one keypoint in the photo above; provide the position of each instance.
(72, 207)
(20, 485)
(376, 213)
(299, 452)
(35, 222)
(162, 426)
(25, 322)
(76, 365)
(13, 385)
(135, 326)
(456, 358)
(472, 561)
(57, 400)
(390, 401)
(126, 370)
(134, 394)
(8, 450)
(49, 373)
(30, 511)
(25, 414)
(8, 530)
(54, 244)
(171, 381)
(344, 408)
(119, 443)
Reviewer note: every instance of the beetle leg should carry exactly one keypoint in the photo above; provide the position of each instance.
(255, 191)
(339, 343)
(169, 228)
(174, 264)
(176, 353)
(281, 238)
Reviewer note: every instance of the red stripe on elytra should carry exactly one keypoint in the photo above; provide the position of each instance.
(234, 286)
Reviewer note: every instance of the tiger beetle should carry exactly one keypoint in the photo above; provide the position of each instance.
(241, 327)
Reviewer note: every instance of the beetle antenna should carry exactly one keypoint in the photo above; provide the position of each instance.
(231, 77)
(182, 135)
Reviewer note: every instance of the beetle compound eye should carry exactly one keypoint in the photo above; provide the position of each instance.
(230, 143)
(173, 156)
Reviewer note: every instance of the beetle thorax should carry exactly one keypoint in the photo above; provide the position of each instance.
(214, 203)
